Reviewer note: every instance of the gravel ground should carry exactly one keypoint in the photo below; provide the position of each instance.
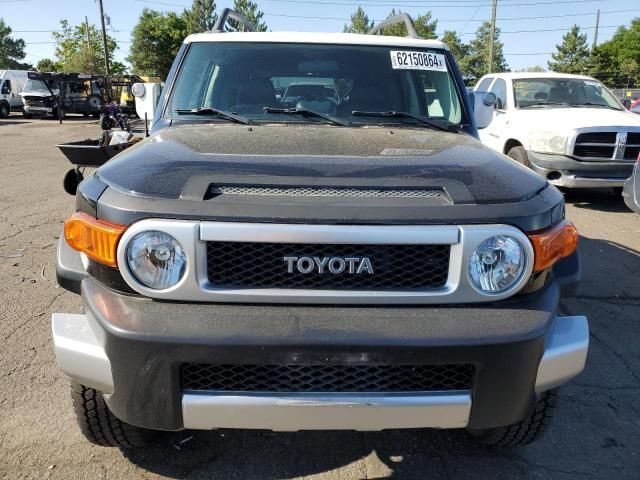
(597, 423)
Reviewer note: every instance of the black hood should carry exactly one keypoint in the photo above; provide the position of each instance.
(179, 172)
(165, 164)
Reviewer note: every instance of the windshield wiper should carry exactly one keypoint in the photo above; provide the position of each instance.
(394, 114)
(213, 111)
(544, 104)
(600, 105)
(306, 112)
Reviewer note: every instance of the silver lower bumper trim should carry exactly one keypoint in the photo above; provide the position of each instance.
(366, 412)
(565, 352)
(79, 353)
(573, 181)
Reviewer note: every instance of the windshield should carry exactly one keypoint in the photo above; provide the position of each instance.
(35, 85)
(562, 92)
(244, 78)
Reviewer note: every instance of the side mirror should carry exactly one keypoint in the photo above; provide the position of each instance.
(626, 103)
(6, 89)
(147, 96)
(483, 104)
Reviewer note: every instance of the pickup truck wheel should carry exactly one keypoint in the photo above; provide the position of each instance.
(519, 154)
(99, 425)
(4, 110)
(524, 432)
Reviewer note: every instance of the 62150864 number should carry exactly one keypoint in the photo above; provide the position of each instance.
(412, 60)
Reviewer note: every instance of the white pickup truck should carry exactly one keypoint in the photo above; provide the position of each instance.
(568, 128)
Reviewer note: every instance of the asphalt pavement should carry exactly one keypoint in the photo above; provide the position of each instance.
(596, 432)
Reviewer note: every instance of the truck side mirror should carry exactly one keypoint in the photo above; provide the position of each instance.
(483, 104)
(6, 89)
(147, 96)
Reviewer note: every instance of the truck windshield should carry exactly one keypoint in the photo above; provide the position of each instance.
(33, 85)
(245, 78)
(562, 92)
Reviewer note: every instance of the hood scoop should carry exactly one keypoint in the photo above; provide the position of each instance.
(215, 191)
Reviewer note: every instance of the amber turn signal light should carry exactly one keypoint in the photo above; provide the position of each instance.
(98, 239)
(554, 243)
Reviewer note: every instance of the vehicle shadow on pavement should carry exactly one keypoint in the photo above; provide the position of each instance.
(232, 454)
(602, 199)
(4, 123)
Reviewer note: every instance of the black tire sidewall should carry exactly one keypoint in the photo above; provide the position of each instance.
(5, 110)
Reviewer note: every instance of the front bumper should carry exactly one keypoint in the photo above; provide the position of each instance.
(132, 348)
(564, 171)
(38, 110)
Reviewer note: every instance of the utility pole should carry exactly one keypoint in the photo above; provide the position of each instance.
(86, 25)
(595, 35)
(104, 40)
(493, 35)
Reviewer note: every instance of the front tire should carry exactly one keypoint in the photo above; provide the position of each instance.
(5, 110)
(520, 155)
(525, 431)
(99, 425)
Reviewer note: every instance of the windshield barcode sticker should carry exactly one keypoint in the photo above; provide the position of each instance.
(402, 60)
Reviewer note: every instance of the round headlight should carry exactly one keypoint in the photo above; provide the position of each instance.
(156, 259)
(497, 264)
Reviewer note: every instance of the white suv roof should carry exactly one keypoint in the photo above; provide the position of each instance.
(316, 37)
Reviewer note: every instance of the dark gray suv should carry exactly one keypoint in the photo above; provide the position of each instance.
(363, 265)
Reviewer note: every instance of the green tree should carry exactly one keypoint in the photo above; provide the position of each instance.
(458, 49)
(201, 17)
(11, 50)
(617, 61)
(156, 39)
(360, 22)
(572, 55)
(250, 10)
(47, 65)
(425, 26)
(75, 54)
(476, 63)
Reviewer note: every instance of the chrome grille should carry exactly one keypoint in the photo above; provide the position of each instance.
(607, 145)
(326, 378)
(262, 265)
(324, 192)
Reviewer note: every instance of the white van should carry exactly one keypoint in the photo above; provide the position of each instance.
(11, 84)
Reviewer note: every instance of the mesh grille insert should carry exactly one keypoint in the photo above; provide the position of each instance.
(597, 137)
(593, 151)
(263, 265)
(324, 192)
(326, 378)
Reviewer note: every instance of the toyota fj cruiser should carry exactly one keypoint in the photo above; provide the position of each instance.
(353, 261)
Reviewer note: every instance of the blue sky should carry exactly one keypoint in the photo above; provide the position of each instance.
(33, 20)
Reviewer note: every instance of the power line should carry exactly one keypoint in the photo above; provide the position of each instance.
(472, 17)
(316, 2)
(346, 19)
(447, 20)
(552, 29)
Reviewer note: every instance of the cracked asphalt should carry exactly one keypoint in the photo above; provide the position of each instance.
(596, 432)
